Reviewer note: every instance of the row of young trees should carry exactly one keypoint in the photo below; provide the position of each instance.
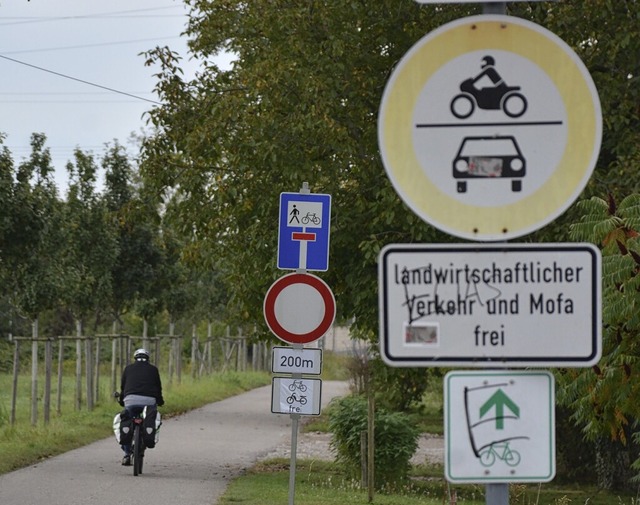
(94, 254)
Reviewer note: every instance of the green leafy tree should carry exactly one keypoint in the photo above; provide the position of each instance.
(299, 105)
(134, 276)
(33, 240)
(90, 247)
(604, 400)
(6, 206)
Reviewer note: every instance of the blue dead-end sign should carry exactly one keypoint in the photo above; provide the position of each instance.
(303, 231)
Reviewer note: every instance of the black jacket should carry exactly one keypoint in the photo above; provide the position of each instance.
(141, 378)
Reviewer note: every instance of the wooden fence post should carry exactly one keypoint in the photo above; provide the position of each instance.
(34, 372)
(210, 348)
(114, 365)
(194, 351)
(88, 351)
(14, 383)
(156, 351)
(96, 378)
(60, 371)
(48, 359)
(239, 350)
(78, 373)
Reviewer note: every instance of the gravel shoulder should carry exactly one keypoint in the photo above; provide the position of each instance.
(315, 445)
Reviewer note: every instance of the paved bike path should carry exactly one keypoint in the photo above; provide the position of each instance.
(198, 454)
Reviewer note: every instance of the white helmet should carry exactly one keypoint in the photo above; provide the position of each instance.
(141, 354)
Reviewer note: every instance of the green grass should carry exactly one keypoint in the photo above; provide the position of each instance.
(322, 483)
(23, 444)
(335, 366)
(317, 483)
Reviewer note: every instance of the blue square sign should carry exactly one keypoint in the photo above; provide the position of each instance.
(303, 231)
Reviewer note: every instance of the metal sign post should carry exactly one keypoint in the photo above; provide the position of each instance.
(299, 308)
(496, 494)
(295, 418)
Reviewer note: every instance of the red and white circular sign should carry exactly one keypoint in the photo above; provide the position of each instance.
(299, 308)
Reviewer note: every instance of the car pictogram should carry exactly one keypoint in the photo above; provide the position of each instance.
(489, 157)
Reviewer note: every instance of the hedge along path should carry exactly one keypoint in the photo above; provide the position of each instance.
(234, 355)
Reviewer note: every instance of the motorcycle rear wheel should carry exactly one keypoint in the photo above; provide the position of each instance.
(138, 450)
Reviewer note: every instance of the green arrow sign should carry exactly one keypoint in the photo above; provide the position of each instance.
(500, 400)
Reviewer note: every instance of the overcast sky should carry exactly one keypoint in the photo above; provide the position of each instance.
(84, 40)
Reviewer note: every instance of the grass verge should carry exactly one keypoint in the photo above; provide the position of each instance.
(322, 483)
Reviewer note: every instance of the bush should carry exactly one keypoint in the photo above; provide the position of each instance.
(397, 388)
(575, 456)
(395, 439)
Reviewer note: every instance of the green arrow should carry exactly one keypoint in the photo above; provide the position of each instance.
(500, 400)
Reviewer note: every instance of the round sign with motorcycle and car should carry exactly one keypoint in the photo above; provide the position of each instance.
(489, 127)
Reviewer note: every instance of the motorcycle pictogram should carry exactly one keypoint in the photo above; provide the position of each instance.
(488, 91)
(302, 400)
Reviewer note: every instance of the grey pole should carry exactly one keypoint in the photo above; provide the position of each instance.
(496, 494)
(494, 8)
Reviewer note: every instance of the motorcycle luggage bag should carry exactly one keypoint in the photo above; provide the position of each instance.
(151, 426)
(123, 428)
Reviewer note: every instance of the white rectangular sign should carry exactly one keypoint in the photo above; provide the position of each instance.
(307, 360)
(489, 305)
(499, 427)
(296, 396)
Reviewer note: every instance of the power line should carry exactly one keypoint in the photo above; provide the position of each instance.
(101, 44)
(25, 93)
(79, 80)
(104, 15)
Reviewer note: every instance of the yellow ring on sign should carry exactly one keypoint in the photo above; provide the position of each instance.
(574, 85)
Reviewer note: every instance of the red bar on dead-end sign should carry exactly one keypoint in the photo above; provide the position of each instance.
(298, 235)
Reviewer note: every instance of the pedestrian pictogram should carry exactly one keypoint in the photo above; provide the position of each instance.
(489, 127)
(499, 426)
(294, 214)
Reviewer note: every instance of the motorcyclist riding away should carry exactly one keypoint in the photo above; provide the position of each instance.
(140, 386)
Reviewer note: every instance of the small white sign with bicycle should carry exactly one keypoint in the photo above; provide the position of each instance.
(296, 396)
(499, 426)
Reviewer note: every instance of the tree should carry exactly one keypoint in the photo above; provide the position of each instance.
(300, 104)
(134, 274)
(90, 247)
(32, 250)
(604, 399)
